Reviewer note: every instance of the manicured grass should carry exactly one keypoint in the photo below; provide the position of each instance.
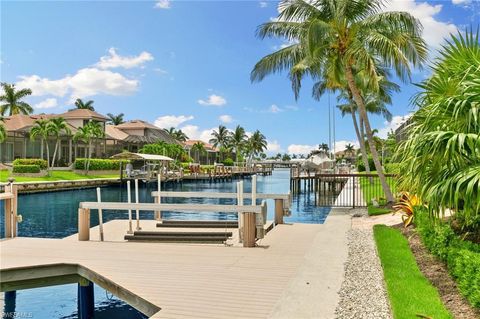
(374, 211)
(54, 176)
(410, 293)
(374, 190)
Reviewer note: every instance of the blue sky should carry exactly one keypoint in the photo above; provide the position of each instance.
(184, 64)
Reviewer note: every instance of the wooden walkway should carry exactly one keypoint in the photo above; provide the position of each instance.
(201, 281)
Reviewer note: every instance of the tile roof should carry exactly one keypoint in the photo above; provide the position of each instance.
(83, 114)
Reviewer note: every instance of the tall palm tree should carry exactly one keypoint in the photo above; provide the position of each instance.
(324, 147)
(79, 104)
(256, 144)
(350, 149)
(178, 135)
(88, 134)
(220, 139)
(12, 98)
(237, 139)
(198, 149)
(115, 119)
(3, 132)
(337, 39)
(58, 126)
(43, 129)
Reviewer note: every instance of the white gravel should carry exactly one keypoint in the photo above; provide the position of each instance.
(363, 295)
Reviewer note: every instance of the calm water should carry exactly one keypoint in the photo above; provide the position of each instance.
(54, 215)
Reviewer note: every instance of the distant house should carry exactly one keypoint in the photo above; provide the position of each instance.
(209, 157)
(130, 136)
(133, 135)
(401, 133)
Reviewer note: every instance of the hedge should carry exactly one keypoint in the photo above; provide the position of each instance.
(31, 161)
(21, 169)
(97, 164)
(462, 257)
(361, 165)
(228, 162)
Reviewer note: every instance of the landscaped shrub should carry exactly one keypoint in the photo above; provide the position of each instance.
(22, 169)
(462, 257)
(392, 168)
(228, 162)
(31, 161)
(97, 164)
(361, 165)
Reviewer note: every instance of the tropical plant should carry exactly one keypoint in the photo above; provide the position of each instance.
(199, 149)
(220, 139)
(174, 151)
(88, 134)
(3, 132)
(237, 140)
(256, 144)
(349, 149)
(406, 206)
(115, 119)
(440, 160)
(324, 147)
(79, 104)
(12, 98)
(58, 126)
(335, 40)
(177, 135)
(43, 129)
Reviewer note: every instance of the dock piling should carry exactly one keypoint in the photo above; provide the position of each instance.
(129, 200)
(83, 224)
(278, 211)
(100, 214)
(85, 299)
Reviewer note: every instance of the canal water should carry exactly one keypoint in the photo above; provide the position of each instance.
(55, 215)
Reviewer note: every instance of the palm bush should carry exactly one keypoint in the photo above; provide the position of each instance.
(441, 158)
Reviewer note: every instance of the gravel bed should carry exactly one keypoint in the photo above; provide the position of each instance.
(362, 295)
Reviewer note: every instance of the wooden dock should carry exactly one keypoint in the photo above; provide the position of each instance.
(200, 281)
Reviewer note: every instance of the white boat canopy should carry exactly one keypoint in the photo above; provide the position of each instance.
(140, 156)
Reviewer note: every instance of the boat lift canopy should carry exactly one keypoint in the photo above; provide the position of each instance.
(140, 156)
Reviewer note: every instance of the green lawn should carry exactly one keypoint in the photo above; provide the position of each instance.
(374, 211)
(374, 190)
(410, 293)
(54, 176)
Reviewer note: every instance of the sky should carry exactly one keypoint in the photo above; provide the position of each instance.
(187, 64)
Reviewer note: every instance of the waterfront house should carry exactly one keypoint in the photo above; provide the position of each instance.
(131, 136)
(209, 157)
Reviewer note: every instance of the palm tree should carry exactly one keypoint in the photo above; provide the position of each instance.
(3, 132)
(334, 40)
(178, 135)
(87, 134)
(199, 149)
(58, 126)
(115, 119)
(84, 105)
(237, 139)
(350, 149)
(42, 129)
(256, 144)
(324, 147)
(220, 139)
(12, 98)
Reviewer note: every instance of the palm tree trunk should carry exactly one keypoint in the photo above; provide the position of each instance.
(55, 153)
(89, 154)
(363, 114)
(362, 143)
(48, 156)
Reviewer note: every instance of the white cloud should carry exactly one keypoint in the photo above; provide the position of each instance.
(397, 120)
(434, 31)
(263, 4)
(341, 145)
(225, 118)
(274, 109)
(160, 71)
(300, 149)
(168, 121)
(213, 99)
(86, 82)
(194, 133)
(117, 61)
(162, 4)
(273, 146)
(284, 44)
(46, 104)
(461, 1)
(292, 107)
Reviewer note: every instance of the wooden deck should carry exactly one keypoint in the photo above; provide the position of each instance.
(294, 262)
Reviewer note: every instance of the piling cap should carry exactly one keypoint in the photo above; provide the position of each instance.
(11, 180)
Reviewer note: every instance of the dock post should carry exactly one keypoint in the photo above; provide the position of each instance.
(158, 214)
(10, 303)
(136, 202)
(129, 200)
(278, 211)
(240, 215)
(100, 214)
(249, 228)
(83, 224)
(85, 299)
